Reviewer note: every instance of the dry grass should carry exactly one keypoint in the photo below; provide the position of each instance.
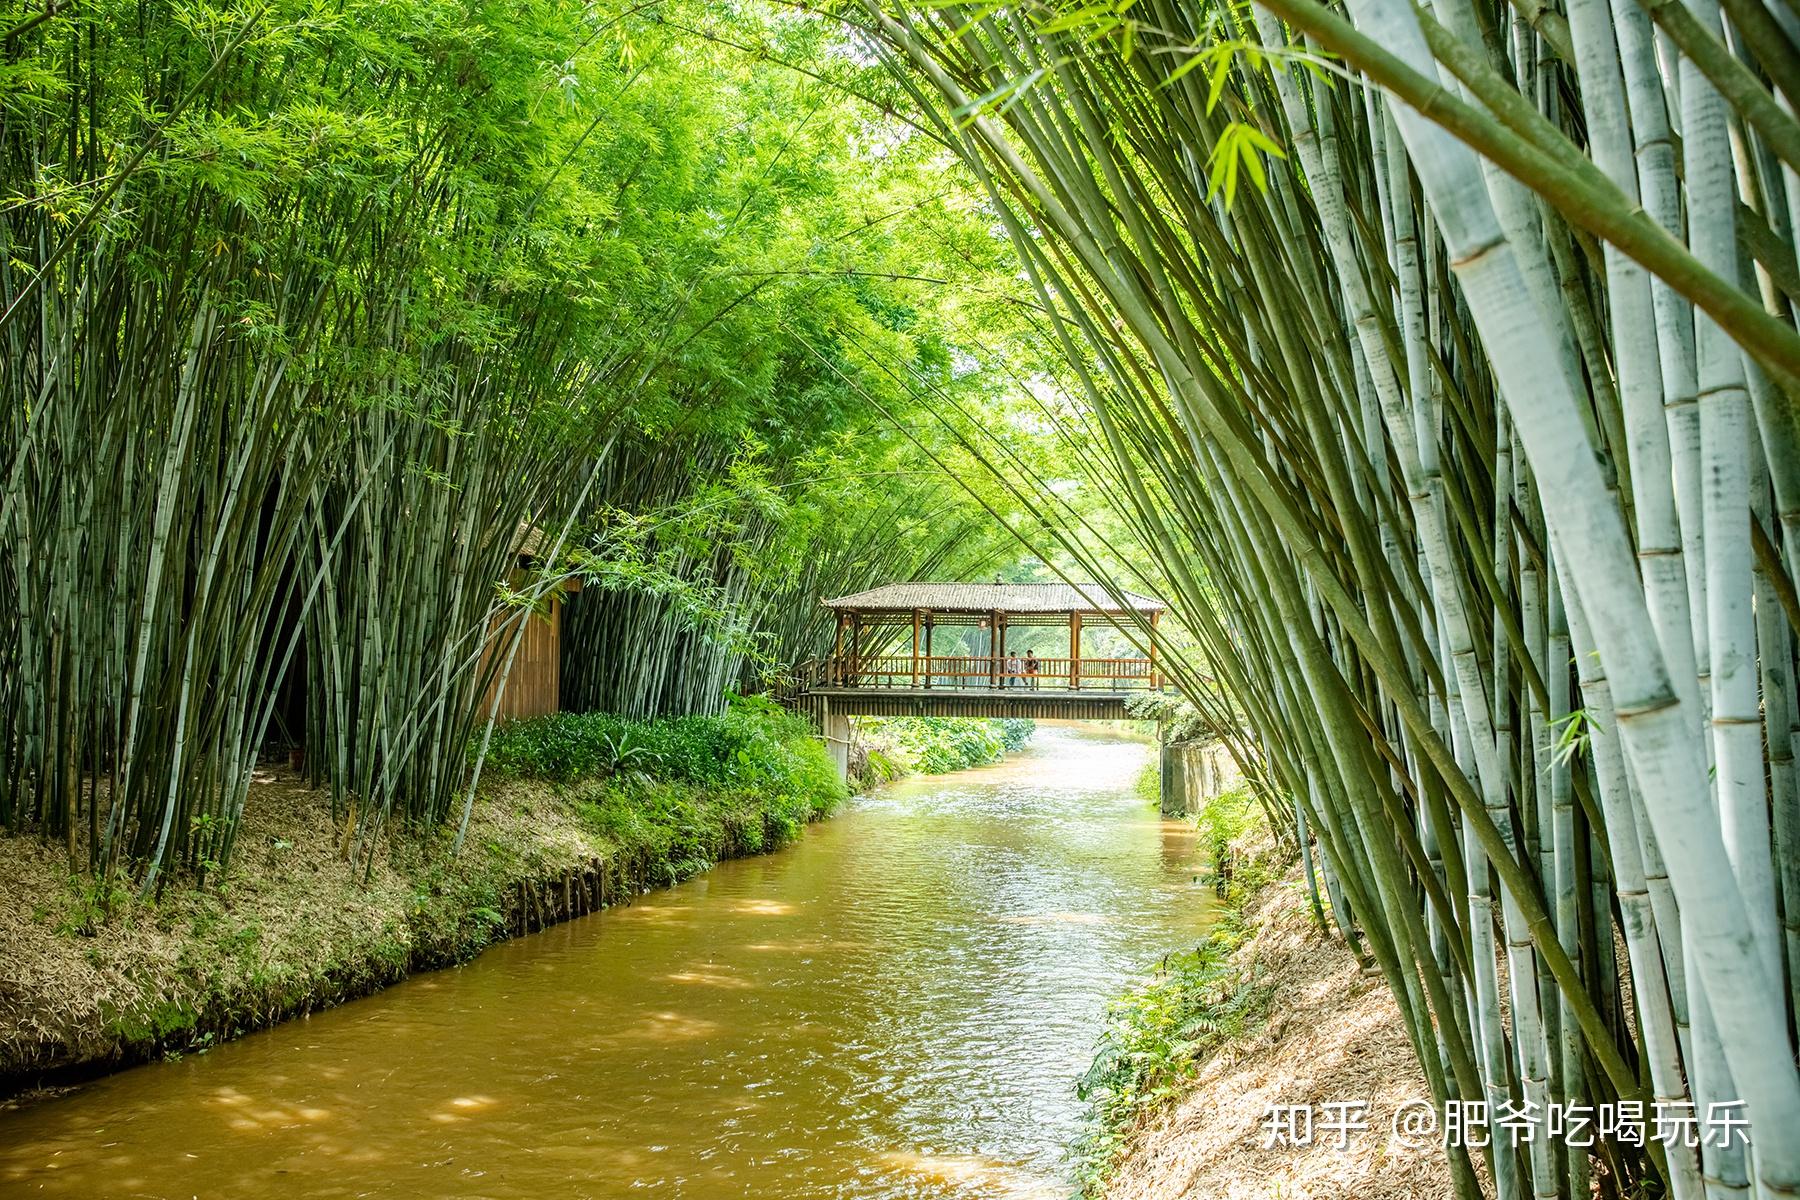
(1333, 1035)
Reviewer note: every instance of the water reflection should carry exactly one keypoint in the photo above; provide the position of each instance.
(896, 1007)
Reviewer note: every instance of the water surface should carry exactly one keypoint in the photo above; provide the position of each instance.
(897, 1006)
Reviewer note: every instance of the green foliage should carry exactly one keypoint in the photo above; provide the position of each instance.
(1227, 817)
(92, 900)
(1238, 145)
(935, 745)
(679, 830)
(1148, 784)
(755, 746)
(1574, 734)
(1154, 1038)
(1177, 718)
(680, 793)
(880, 767)
(364, 287)
(158, 1020)
(1015, 732)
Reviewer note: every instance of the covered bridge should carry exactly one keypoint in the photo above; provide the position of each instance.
(887, 637)
(890, 656)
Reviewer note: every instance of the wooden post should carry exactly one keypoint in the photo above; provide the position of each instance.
(994, 648)
(917, 617)
(930, 664)
(855, 649)
(1075, 651)
(836, 673)
(1155, 679)
(1005, 652)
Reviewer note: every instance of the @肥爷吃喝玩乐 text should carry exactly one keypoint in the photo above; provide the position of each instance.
(1476, 1123)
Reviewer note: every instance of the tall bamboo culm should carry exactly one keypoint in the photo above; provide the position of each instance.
(288, 400)
(1465, 448)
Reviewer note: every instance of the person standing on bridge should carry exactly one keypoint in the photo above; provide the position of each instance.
(1014, 668)
(1031, 669)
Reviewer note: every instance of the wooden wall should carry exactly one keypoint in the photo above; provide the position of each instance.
(535, 686)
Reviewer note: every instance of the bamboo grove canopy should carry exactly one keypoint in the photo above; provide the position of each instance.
(1443, 359)
(306, 309)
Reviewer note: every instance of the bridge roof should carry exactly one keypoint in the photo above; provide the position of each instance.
(993, 597)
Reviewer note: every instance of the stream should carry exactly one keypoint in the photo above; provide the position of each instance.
(898, 1005)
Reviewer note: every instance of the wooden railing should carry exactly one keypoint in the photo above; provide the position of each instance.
(983, 671)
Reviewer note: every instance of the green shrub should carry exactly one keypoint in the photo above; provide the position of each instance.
(680, 792)
(1015, 732)
(880, 767)
(1148, 784)
(754, 746)
(1225, 818)
(938, 744)
(1174, 717)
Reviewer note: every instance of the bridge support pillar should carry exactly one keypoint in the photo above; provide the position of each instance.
(1172, 771)
(836, 729)
(1193, 774)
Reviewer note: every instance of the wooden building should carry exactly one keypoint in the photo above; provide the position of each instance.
(534, 684)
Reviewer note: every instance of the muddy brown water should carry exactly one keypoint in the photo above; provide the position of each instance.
(896, 1006)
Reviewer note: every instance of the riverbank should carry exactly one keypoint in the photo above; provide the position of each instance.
(93, 979)
(1269, 1011)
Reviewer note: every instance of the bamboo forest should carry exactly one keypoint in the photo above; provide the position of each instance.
(956, 599)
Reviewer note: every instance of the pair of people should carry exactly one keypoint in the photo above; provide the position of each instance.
(1017, 667)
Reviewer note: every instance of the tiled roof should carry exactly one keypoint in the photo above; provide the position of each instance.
(990, 597)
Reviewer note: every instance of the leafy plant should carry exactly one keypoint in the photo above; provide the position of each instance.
(1224, 819)
(1156, 1035)
(935, 745)
(622, 756)
(755, 746)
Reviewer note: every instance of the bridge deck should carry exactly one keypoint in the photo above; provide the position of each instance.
(1091, 705)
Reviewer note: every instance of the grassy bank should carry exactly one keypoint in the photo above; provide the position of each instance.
(1157, 1034)
(578, 812)
(1268, 1010)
